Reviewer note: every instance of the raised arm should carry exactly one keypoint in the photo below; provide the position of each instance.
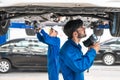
(48, 39)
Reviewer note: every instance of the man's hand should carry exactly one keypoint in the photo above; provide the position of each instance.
(37, 30)
(96, 46)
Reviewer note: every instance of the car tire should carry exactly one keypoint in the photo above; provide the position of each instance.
(4, 24)
(5, 66)
(115, 24)
(108, 59)
(30, 32)
(98, 31)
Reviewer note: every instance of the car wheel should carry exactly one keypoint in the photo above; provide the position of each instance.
(30, 32)
(5, 66)
(98, 31)
(108, 59)
(115, 24)
(4, 24)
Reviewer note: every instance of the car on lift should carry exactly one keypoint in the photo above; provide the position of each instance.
(23, 53)
(109, 52)
(93, 12)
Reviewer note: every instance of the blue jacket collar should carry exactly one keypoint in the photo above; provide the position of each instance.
(73, 43)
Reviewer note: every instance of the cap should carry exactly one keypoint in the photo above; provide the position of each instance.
(56, 28)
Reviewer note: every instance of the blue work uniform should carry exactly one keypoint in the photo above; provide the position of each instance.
(73, 62)
(53, 53)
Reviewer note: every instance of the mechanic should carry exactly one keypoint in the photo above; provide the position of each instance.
(73, 62)
(53, 43)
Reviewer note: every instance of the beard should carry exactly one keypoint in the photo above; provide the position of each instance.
(81, 35)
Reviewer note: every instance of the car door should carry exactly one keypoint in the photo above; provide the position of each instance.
(21, 56)
(39, 55)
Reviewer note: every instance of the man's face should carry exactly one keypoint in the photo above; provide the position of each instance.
(81, 32)
(52, 32)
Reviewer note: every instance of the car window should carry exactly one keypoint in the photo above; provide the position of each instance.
(118, 42)
(5, 48)
(20, 47)
(22, 43)
(31, 47)
(26, 46)
(38, 48)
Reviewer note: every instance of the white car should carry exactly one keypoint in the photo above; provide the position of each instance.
(95, 13)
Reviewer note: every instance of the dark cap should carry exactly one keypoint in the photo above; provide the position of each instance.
(72, 26)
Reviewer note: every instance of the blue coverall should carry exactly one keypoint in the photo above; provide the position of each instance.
(53, 53)
(73, 62)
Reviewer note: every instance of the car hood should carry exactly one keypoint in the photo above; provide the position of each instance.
(61, 3)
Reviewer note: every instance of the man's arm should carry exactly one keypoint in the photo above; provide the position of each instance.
(40, 37)
(48, 39)
(79, 63)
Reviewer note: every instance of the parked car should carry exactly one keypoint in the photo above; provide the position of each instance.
(109, 52)
(25, 53)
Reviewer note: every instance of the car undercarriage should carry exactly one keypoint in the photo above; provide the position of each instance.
(93, 16)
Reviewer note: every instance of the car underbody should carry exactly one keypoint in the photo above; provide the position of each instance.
(110, 14)
(98, 12)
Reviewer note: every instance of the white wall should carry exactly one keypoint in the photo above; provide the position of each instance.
(17, 33)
